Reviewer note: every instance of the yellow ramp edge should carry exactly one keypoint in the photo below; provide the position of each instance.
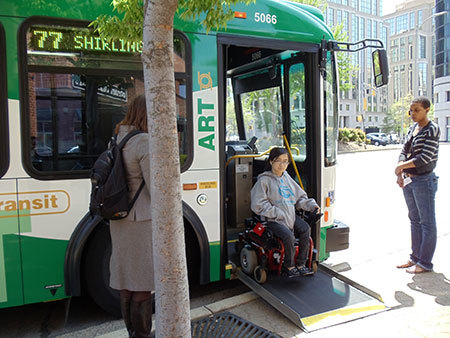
(344, 314)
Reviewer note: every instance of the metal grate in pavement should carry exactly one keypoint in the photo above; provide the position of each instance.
(226, 324)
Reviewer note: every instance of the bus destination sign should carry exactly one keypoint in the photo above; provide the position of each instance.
(57, 39)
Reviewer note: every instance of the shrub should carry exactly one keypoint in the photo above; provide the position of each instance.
(351, 135)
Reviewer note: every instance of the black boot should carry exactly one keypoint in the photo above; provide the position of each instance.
(141, 317)
(125, 303)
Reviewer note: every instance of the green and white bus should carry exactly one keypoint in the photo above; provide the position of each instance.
(271, 72)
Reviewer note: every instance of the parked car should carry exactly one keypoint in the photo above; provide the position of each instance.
(382, 136)
(394, 138)
(378, 141)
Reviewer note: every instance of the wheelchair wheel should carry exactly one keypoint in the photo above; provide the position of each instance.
(314, 266)
(249, 260)
(260, 274)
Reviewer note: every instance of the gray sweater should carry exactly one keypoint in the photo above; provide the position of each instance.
(276, 198)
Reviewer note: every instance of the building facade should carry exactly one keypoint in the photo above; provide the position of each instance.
(364, 106)
(442, 68)
(410, 50)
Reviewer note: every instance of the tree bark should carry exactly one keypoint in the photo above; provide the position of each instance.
(171, 283)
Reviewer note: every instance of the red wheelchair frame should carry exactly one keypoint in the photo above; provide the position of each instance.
(261, 251)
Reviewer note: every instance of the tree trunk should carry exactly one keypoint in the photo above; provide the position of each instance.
(171, 283)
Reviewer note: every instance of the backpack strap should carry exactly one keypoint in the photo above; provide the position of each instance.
(120, 146)
(136, 195)
(127, 137)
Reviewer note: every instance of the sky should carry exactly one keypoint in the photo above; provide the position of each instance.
(389, 6)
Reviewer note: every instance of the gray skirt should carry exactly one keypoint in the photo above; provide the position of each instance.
(131, 263)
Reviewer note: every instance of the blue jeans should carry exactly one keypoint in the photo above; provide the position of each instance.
(419, 196)
(302, 231)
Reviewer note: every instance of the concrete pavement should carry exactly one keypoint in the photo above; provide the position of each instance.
(419, 305)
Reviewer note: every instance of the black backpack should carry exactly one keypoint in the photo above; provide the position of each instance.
(109, 193)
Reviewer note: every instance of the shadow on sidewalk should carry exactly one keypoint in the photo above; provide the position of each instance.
(433, 284)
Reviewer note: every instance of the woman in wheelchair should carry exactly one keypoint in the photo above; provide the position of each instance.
(276, 196)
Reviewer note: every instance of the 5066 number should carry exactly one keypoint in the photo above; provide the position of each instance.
(265, 18)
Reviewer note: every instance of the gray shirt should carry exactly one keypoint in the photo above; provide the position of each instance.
(276, 198)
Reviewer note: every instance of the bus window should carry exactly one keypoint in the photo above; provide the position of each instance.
(4, 142)
(231, 132)
(297, 110)
(331, 113)
(262, 117)
(78, 88)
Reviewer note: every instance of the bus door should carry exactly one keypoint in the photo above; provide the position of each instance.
(269, 93)
(10, 261)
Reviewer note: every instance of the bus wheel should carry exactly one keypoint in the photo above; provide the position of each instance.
(96, 271)
(249, 260)
(260, 274)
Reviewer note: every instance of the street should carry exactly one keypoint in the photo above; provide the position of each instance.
(370, 202)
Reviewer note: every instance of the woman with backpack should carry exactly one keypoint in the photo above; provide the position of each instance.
(131, 262)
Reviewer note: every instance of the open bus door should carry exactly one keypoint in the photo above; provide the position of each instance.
(271, 89)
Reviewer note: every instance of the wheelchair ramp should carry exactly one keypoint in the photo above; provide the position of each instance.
(318, 301)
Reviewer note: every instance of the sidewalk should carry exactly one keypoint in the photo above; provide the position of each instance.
(419, 304)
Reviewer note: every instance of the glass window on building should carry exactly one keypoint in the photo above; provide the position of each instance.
(402, 52)
(412, 20)
(391, 23)
(401, 23)
(330, 16)
(422, 47)
(410, 80)
(369, 29)
(365, 6)
(346, 23)
(419, 17)
(361, 28)
(339, 16)
(355, 21)
(422, 78)
(448, 96)
(394, 54)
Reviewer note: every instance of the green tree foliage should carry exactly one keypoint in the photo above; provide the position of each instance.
(128, 24)
(397, 116)
(346, 68)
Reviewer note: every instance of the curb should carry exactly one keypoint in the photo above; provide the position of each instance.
(381, 148)
(200, 312)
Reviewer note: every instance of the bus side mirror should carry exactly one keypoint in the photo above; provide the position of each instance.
(380, 67)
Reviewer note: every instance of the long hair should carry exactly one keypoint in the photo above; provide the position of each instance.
(136, 115)
(274, 153)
